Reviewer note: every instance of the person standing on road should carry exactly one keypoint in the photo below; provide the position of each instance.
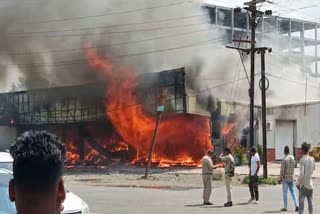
(207, 169)
(228, 160)
(304, 183)
(254, 176)
(37, 186)
(286, 177)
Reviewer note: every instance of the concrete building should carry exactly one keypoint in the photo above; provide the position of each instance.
(294, 40)
(291, 125)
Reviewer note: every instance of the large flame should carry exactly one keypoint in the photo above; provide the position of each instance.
(182, 138)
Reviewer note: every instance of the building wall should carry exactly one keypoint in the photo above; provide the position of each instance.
(307, 123)
(7, 135)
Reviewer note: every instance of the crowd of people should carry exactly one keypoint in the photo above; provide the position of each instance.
(304, 182)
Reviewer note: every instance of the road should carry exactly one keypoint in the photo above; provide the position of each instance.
(163, 201)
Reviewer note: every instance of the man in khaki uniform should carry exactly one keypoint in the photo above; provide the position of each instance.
(227, 159)
(207, 169)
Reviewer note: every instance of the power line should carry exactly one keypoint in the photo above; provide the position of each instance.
(78, 49)
(128, 24)
(292, 81)
(110, 32)
(236, 91)
(235, 73)
(125, 43)
(109, 14)
(233, 81)
(296, 9)
(244, 67)
(221, 85)
(72, 62)
(112, 45)
(152, 99)
(109, 26)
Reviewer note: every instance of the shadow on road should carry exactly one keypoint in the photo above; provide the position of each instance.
(213, 206)
(195, 205)
(273, 212)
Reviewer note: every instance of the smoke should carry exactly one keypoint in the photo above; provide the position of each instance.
(36, 60)
(187, 39)
(34, 35)
(287, 73)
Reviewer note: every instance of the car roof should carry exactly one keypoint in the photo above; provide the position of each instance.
(5, 177)
(5, 157)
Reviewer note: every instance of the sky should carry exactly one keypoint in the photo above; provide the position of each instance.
(299, 9)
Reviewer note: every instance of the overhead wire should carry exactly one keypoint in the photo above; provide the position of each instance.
(109, 14)
(73, 49)
(108, 26)
(152, 99)
(235, 74)
(80, 61)
(291, 81)
(112, 45)
(124, 43)
(112, 32)
(297, 9)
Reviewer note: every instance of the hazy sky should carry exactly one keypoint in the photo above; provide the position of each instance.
(299, 9)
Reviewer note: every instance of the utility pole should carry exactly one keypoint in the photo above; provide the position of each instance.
(253, 7)
(255, 16)
(160, 110)
(263, 87)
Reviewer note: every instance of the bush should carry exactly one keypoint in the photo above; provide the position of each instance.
(266, 181)
(240, 154)
(315, 153)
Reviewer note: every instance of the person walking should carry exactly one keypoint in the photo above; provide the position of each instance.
(228, 160)
(254, 175)
(304, 183)
(286, 178)
(207, 169)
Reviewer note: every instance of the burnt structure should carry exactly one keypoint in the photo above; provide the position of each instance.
(79, 111)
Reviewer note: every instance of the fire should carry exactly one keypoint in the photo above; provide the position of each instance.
(72, 152)
(227, 128)
(182, 138)
(122, 146)
(230, 135)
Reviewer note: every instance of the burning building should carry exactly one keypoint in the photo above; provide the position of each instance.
(115, 118)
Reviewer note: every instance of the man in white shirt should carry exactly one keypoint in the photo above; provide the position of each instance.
(254, 176)
(207, 169)
(304, 183)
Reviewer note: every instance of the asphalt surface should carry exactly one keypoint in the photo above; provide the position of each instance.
(163, 201)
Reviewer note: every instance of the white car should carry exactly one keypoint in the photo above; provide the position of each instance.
(6, 161)
(72, 205)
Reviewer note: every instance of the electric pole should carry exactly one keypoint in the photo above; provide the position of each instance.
(264, 88)
(253, 7)
(255, 17)
(160, 110)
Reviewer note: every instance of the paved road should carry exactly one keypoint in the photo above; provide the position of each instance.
(160, 201)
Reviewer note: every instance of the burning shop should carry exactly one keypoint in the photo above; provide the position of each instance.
(114, 119)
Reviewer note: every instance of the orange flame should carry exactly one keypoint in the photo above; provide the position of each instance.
(227, 128)
(72, 152)
(182, 138)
